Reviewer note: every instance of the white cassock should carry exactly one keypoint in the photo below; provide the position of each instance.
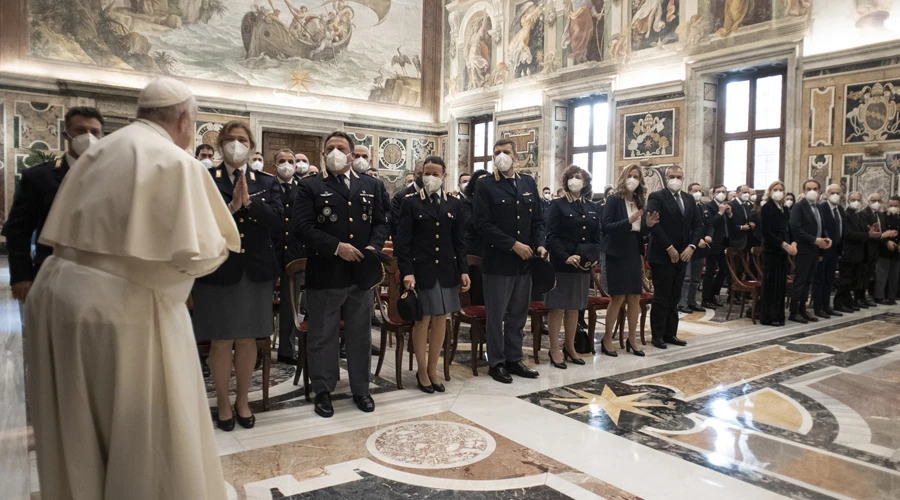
(117, 396)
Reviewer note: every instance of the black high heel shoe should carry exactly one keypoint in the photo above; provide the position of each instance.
(612, 354)
(245, 422)
(562, 365)
(630, 348)
(226, 425)
(571, 358)
(427, 389)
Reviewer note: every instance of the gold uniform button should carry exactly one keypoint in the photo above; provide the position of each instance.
(436, 249)
(518, 217)
(285, 247)
(583, 216)
(351, 219)
(240, 220)
(286, 219)
(437, 223)
(243, 250)
(582, 239)
(287, 205)
(349, 203)
(518, 232)
(504, 201)
(584, 227)
(529, 210)
(437, 236)
(517, 202)
(436, 261)
(263, 199)
(351, 236)
(242, 235)
(287, 233)
(326, 202)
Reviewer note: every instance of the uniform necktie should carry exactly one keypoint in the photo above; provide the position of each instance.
(286, 187)
(512, 182)
(680, 202)
(237, 174)
(726, 225)
(436, 201)
(837, 220)
(346, 180)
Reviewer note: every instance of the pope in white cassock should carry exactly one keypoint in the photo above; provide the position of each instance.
(117, 396)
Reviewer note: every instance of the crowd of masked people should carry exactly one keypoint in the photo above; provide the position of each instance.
(340, 216)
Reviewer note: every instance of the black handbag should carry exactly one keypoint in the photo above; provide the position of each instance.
(583, 343)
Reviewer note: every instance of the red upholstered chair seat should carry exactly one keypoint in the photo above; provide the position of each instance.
(304, 327)
(474, 311)
(647, 296)
(538, 306)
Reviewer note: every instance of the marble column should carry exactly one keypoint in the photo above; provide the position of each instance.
(14, 465)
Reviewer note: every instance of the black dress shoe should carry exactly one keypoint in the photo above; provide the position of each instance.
(777, 323)
(822, 314)
(675, 341)
(323, 405)
(499, 373)
(376, 351)
(842, 309)
(438, 387)
(225, 425)
(659, 344)
(246, 423)
(427, 389)
(809, 317)
(858, 305)
(870, 303)
(685, 310)
(631, 348)
(519, 368)
(697, 308)
(797, 318)
(709, 305)
(561, 365)
(717, 303)
(832, 312)
(891, 302)
(287, 359)
(364, 403)
(882, 302)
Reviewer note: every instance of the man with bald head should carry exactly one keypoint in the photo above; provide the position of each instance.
(302, 164)
(123, 412)
(833, 217)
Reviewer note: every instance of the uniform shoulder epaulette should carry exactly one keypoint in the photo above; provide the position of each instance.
(263, 172)
(411, 194)
(453, 195)
(58, 162)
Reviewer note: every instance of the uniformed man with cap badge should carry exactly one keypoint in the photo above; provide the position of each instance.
(509, 217)
(288, 248)
(37, 189)
(337, 214)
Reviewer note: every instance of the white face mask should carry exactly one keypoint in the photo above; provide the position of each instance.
(777, 195)
(335, 161)
(720, 197)
(854, 205)
(81, 143)
(812, 196)
(503, 162)
(360, 165)
(575, 185)
(745, 197)
(206, 162)
(697, 195)
(834, 198)
(753, 198)
(432, 183)
(463, 186)
(548, 196)
(788, 203)
(876, 205)
(286, 171)
(631, 184)
(675, 184)
(894, 210)
(235, 153)
(302, 167)
(257, 165)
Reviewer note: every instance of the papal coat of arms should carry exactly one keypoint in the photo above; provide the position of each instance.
(650, 134)
(871, 113)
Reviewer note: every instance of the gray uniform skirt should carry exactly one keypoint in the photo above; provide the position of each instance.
(571, 292)
(232, 312)
(438, 300)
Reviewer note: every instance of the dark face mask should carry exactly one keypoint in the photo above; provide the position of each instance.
(419, 182)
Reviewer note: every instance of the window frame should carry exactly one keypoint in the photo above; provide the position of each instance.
(488, 120)
(591, 148)
(751, 134)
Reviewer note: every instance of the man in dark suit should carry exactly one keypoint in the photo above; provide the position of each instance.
(412, 187)
(718, 212)
(338, 213)
(34, 197)
(740, 219)
(509, 217)
(694, 271)
(888, 271)
(833, 219)
(870, 217)
(672, 244)
(809, 233)
(850, 294)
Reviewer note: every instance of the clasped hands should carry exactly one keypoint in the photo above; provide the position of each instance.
(240, 197)
(823, 243)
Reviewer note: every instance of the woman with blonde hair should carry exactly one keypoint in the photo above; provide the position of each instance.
(776, 246)
(623, 245)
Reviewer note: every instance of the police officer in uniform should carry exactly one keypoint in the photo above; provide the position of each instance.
(233, 305)
(509, 217)
(288, 248)
(35, 195)
(338, 213)
(694, 271)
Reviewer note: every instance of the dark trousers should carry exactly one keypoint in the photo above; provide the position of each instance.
(823, 283)
(506, 301)
(716, 270)
(667, 281)
(871, 264)
(804, 269)
(850, 282)
(326, 309)
(691, 283)
(886, 278)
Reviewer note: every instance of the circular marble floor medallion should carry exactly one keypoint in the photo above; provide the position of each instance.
(431, 444)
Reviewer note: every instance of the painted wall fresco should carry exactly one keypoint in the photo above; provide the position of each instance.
(526, 38)
(727, 16)
(584, 32)
(359, 49)
(653, 23)
(478, 51)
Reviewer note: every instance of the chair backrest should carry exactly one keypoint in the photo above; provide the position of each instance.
(598, 286)
(395, 287)
(647, 278)
(293, 269)
(732, 255)
(756, 255)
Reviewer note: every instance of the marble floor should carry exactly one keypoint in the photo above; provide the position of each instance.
(742, 412)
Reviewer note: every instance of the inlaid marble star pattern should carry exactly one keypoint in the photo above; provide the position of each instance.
(610, 403)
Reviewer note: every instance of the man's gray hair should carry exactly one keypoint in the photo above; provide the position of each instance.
(873, 193)
(673, 167)
(167, 114)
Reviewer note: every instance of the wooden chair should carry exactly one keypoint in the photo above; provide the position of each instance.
(296, 294)
(732, 255)
(537, 310)
(392, 322)
(472, 315)
(597, 301)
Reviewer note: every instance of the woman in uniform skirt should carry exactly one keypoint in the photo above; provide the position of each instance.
(432, 257)
(776, 246)
(573, 230)
(233, 306)
(623, 246)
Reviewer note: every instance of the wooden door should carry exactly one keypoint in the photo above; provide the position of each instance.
(310, 145)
